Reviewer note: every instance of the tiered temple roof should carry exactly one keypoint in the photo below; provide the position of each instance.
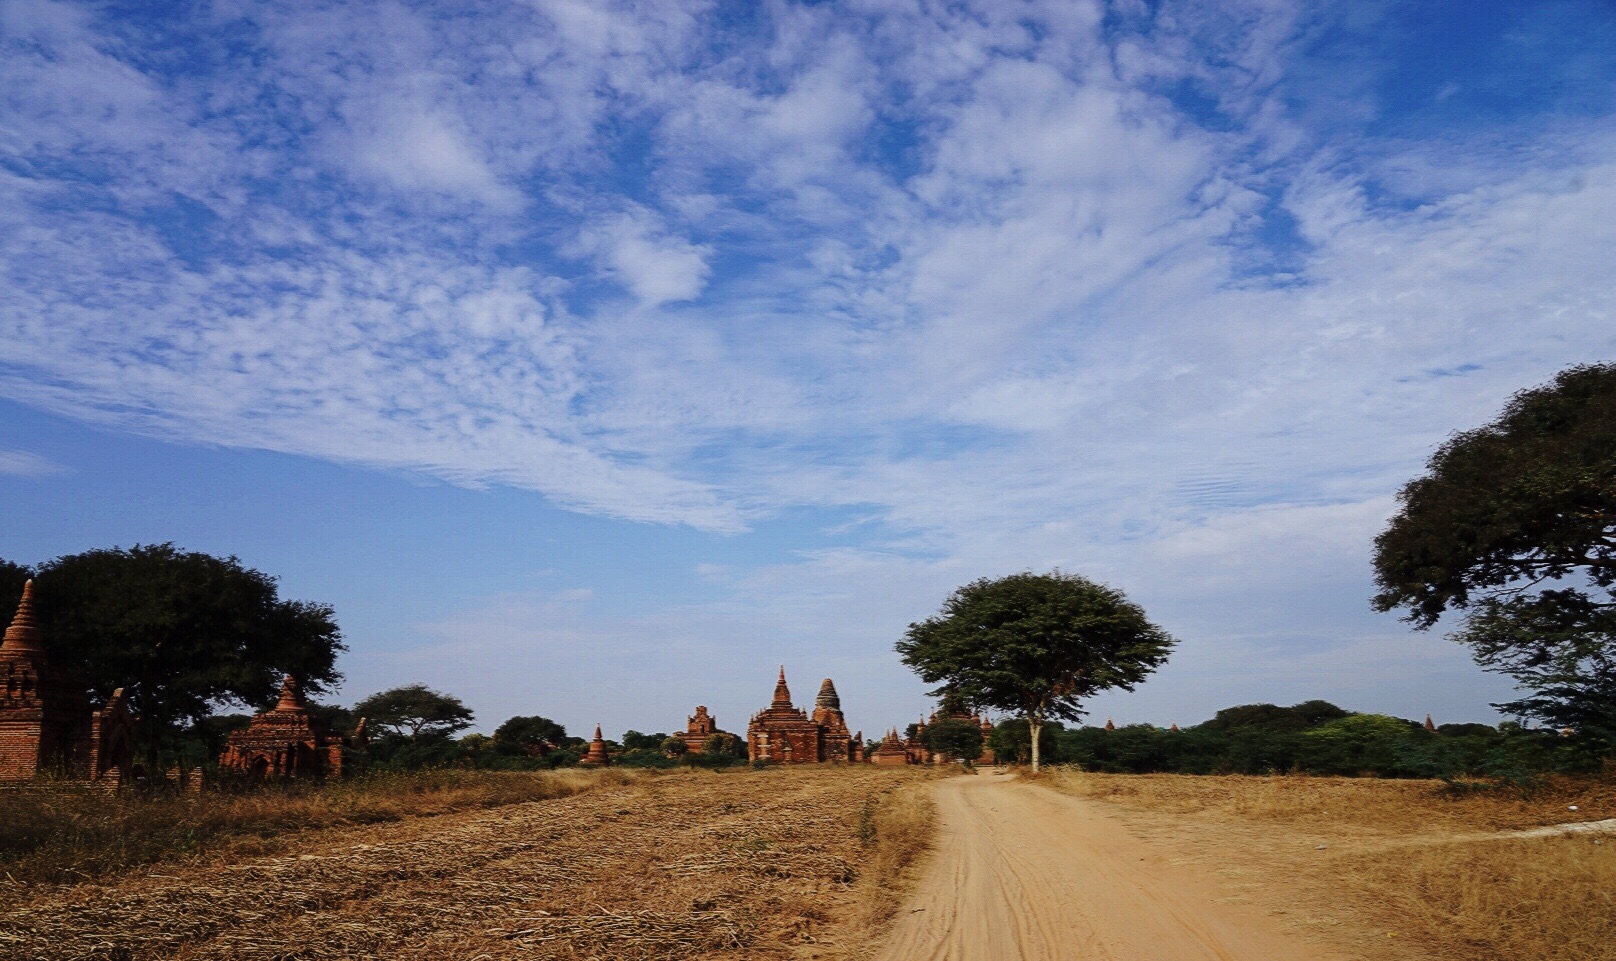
(289, 740)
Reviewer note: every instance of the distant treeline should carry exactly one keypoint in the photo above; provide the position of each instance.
(1314, 737)
(518, 744)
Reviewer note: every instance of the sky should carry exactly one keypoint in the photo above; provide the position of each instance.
(595, 359)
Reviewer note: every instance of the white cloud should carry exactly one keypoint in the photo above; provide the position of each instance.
(423, 150)
(655, 266)
(21, 463)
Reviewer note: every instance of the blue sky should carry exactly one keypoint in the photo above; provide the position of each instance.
(593, 359)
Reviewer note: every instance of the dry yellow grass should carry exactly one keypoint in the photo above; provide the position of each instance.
(781, 863)
(901, 819)
(1407, 869)
(63, 832)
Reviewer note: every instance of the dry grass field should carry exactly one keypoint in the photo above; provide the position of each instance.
(1392, 870)
(794, 863)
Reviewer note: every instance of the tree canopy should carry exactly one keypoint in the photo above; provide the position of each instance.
(530, 734)
(1514, 523)
(1035, 644)
(415, 711)
(179, 631)
(954, 739)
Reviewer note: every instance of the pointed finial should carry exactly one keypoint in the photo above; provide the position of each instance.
(23, 634)
(1428, 725)
(597, 733)
(291, 695)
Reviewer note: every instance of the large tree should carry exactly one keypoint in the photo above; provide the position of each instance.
(1514, 524)
(416, 712)
(1036, 644)
(181, 632)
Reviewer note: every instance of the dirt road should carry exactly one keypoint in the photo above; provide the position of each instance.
(1022, 873)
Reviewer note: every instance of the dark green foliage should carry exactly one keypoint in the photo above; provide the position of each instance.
(1011, 741)
(179, 631)
(414, 712)
(635, 741)
(201, 744)
(1337, 742)
(530, 736)
(1514, 524)
(719, 750)
(429, 749)
(675, 747)
(1035, 644)
(1270, 717)
(954, 739)
(12, 577)
(644, 757)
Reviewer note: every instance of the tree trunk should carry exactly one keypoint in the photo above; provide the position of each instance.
(1037, 725)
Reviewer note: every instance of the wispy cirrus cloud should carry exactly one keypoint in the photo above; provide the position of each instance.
(22, 463)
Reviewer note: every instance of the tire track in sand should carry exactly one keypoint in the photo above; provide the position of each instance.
(1021, 873)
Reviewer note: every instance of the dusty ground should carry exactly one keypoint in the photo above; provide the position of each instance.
(1023, 873)
(715, 865)
(1384, 870)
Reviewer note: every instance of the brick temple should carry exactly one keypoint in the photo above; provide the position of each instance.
(46, 723)
(786, 734)
(699, 727)
(290, 741)
(897, 749)
(892, 750)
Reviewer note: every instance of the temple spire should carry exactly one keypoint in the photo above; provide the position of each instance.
(22, 637)
(782, 694)
(828, 698)
(291, 696)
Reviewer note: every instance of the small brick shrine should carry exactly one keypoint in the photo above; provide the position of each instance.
(46, 723)
(891, 751)
(290, 741)
(597, 756)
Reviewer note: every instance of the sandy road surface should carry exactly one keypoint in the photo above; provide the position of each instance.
(1022, 873)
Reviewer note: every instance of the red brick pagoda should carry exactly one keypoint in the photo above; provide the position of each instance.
(597, 755)
(785, 734)
(46, 723)
(289, 741)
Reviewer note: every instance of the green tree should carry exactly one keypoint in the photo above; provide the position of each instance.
(1035, 644)
(1361, 744)
(532, 736)
(415, 712)
(723, 745)
(12, 577)
(635, 741)
(1011, 741)
(675, 747)
(954, 739)
(181, 632)
(1514, 523)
